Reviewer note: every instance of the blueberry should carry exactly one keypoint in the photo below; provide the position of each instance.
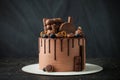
(77, 35)
(52, 36)
(44, 36)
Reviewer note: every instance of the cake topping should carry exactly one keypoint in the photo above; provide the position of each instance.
(68, 26)
(48, 68)
(52, 36)
(70, 35)
(57, 28)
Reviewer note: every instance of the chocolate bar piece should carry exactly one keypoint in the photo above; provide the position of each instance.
(77, 62)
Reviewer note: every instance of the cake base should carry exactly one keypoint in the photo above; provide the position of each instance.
(34, 69)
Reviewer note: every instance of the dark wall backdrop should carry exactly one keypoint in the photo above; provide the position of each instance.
(21, 23)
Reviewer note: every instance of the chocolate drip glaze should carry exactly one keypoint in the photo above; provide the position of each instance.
(78, 42)
(81, 50)
(68, 46)
(49, 45)
(54, 49)
(41, 42)
(81, 54)
(72, 43)
(44, 46)
(61, 44)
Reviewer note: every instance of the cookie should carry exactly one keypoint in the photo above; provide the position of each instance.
(68, 27)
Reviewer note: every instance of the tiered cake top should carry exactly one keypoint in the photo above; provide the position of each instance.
(57, 28)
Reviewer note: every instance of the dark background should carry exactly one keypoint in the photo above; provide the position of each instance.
(21, 23)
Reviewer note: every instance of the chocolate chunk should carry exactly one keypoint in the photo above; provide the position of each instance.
(55, 27)
(50, 32)
(49, 27)
(70, 20)
(49, 22)
(44, 23)
(68, 27)
(77, 63)
(57, 20)
(48, 68)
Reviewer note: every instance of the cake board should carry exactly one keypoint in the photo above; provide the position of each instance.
(34, 69)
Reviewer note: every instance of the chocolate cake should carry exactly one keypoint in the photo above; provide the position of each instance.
(62, 47)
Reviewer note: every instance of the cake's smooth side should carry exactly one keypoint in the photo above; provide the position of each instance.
(55, 52)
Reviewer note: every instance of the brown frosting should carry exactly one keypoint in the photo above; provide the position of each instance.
(60, 53)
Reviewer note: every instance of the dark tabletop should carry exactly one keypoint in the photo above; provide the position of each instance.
(10, 69)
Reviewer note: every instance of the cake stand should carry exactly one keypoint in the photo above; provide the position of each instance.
(34, 69)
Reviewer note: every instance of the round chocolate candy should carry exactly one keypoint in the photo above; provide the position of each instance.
(48, 68)
(52, 36)
(77, 35)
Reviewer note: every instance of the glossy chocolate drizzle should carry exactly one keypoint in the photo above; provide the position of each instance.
(81, 50)
(72, 43)
(49, 45)
(41, 42)
(68, 46)
(44, 45)
(82, 53)
(55, 49)
(78, 42)
(61, 44)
